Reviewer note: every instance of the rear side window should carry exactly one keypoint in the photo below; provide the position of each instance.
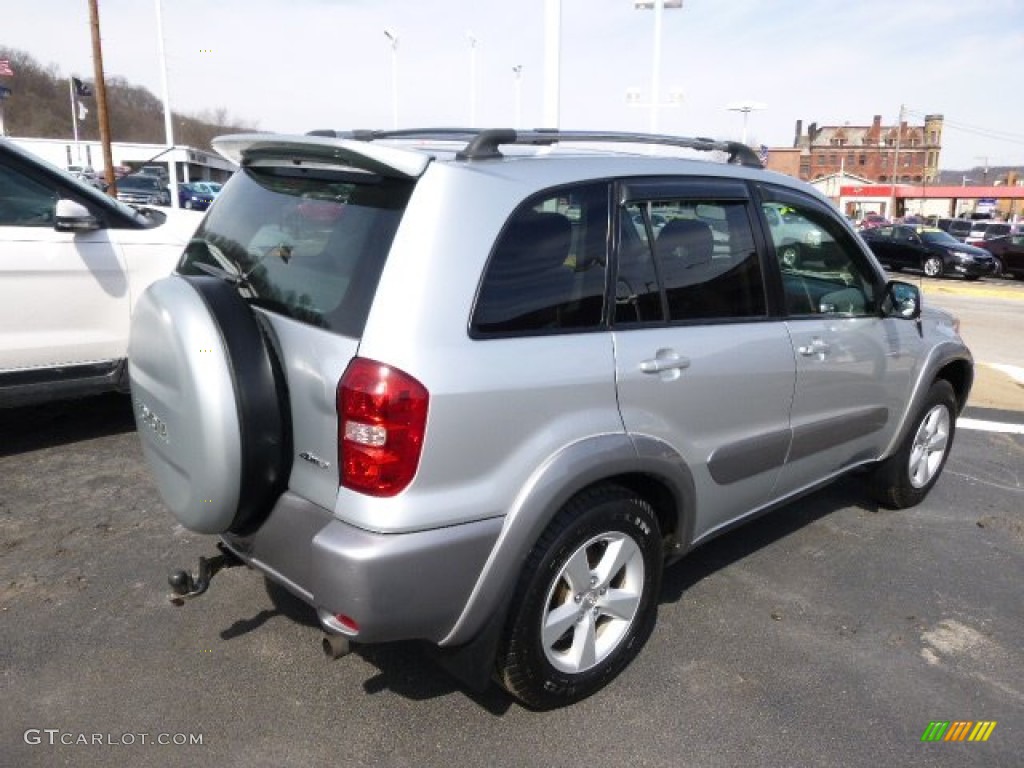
(309, 243)
(685, 260)
(547, 271)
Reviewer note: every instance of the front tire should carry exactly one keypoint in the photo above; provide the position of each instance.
(933, 266)
(586, 600)
(906, 477)
(789, 255)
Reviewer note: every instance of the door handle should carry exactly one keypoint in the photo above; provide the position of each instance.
(665, 360)
(816, 347)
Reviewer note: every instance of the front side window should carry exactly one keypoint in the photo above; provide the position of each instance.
(692, 260)
(824, 272)
(24, 202)
(546, 273)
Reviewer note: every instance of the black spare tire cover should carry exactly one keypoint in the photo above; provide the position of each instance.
(209, 404)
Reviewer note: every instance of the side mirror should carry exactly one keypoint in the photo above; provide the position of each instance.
(74, 217)
(901, 300)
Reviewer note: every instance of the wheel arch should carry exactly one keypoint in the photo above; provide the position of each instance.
(645, 466)
(960, 375)
(949, 362)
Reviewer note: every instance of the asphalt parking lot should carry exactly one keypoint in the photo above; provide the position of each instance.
(829, 633)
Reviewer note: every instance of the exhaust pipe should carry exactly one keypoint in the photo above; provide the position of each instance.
(336, 646)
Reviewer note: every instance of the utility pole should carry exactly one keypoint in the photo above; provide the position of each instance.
(896, 162)
(518, 71)
(392, 37)
(984, 170)
(101, 99)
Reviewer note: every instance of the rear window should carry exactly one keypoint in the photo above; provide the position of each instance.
(309, 243)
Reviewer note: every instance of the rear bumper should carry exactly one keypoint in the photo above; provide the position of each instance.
(392, 586)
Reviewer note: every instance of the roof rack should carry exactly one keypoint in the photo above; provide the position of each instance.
(483, 144)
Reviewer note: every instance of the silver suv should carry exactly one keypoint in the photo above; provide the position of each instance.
(457, 387)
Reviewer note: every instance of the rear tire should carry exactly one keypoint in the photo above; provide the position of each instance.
(586, 600)
(906, 477)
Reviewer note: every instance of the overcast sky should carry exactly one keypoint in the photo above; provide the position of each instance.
(295, 65)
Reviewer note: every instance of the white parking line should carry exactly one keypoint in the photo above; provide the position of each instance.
(1015, 372)
(990, 426)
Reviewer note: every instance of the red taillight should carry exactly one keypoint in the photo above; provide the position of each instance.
(382, 416)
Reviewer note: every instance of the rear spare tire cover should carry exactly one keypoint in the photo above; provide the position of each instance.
(209, 406)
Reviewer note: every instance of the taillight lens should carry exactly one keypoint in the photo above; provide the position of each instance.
(382, 417)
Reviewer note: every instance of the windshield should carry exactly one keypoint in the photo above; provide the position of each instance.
(139, 182)
(307, 243)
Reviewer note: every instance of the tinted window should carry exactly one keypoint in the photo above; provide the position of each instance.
(24, 202)
(310, 243)
(699, 263)
(938, 236)
(547, 270)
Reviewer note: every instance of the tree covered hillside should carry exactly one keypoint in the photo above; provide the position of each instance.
(39, 106)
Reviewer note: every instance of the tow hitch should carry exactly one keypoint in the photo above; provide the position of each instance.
(185, 586)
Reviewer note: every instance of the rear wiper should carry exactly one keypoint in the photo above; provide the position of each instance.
(218, 272)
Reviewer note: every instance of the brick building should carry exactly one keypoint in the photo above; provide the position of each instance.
(869, 151)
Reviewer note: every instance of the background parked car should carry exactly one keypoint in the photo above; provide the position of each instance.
(793, 235)
(986, 230)
(194, 197)
(72, 263)
(1009, 253)
(935, 252)
(872, 220)
(212, 188)
(958, 228)
(142, 189)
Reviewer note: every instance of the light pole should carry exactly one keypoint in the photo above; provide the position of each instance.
(168, 126)
(552, 61)
(658, 6)
(391, 35)
(746, 107)
(472, 78)
(635, 98)
(518, 71)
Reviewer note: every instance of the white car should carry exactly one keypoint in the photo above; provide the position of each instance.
(73, 261)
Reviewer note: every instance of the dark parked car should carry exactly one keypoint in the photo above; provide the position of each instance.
(194, 197)
(958, 228)
(932, 250)
(1008, 252)
(142, 190)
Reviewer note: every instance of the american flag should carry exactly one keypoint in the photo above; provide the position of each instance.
(5, 68)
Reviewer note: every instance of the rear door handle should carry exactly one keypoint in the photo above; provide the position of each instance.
(665, 361)
(816, 347)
